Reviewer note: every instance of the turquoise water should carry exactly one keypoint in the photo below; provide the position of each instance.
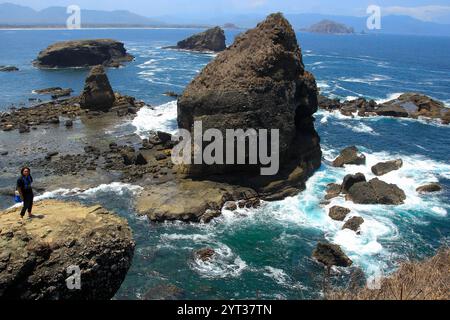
(265, 253)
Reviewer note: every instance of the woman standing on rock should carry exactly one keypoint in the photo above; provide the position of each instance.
(26, 191)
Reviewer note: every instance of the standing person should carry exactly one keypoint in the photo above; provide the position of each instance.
(26, 191)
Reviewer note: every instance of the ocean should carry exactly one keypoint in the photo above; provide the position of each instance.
(266, 253)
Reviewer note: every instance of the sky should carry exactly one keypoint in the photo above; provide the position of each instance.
(427, 10)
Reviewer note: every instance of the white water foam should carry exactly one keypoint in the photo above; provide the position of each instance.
(159, 118)
(366, 249)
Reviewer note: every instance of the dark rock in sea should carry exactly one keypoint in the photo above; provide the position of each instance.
(164, 137)
(331, 255)
(97, 93)
(164, 292)
(383, 168)
(83, 53)
(350, 180)
(259, 82)
(68, 124)
(230, 206)
(8, 69)
(171, 94)
(333, 190)
(429, 188)
(38, 256)
(392, 111)
(417, 105)
(353, 223)
(330, 27)
(350, 155)
(204, 254)
(209, 40)
(376, 192)
(338, 213)
(3, 153)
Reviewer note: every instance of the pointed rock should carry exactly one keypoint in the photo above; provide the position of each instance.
(97, 94)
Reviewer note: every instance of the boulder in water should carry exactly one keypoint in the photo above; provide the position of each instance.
(331, 255)
(376, 192)
(338, 213)
(353, 223)
(383, 168)
(349, 155)
(429, 188)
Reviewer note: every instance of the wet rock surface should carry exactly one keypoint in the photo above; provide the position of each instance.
(429, 188)
(350, 155)
(338, 213)
(383, 168)
(331, 255)
(376, 192)
(97, 93)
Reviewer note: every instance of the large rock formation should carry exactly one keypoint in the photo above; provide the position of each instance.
(97, 93)
(83, 53)
(209, 40)
(35, 254)
(259, 82)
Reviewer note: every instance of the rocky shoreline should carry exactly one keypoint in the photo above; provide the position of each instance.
(407, 105)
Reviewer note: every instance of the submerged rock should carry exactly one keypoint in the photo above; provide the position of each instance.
(331, 255)
(8, 69)
(383, 168)
(349, 155)
(210, 40)
(204, 254)
(36, 253)
(97, 93)
(376, 192)
(164, 292)
(333, 190)
(429, 188)
(259, 82)
(83, 53)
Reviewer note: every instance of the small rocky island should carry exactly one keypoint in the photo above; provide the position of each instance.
(36, 253)
(83, 53)
(330, 27)
(210, 40)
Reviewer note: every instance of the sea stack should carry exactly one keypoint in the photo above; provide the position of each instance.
(97, 93)
(38, 256)
(210, 40)
(259, 82)
(83, 53)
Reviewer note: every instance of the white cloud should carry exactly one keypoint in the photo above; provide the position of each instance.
(425, 13)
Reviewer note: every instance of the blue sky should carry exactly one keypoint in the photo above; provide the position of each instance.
(434, 10)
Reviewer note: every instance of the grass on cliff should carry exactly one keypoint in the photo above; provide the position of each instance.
(426, 280)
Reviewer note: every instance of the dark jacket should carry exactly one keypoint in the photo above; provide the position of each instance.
(24, 184)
